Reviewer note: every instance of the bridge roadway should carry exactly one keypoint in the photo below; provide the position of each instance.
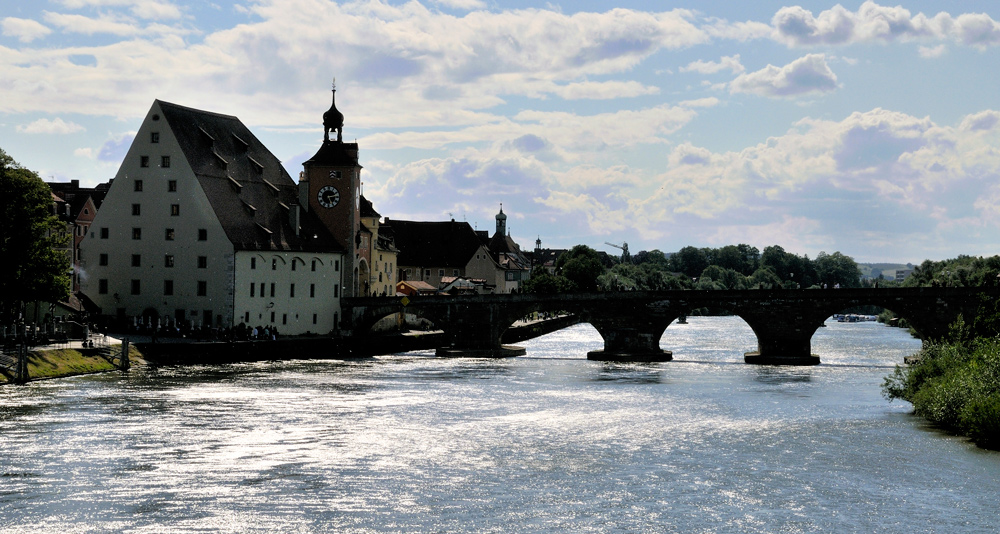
(632, 323)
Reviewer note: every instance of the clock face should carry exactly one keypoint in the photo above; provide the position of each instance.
(328, 196)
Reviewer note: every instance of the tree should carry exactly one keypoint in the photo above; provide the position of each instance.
(837, 270)
(581, 265)
(544, 282)
(31, 270)
(690, 261)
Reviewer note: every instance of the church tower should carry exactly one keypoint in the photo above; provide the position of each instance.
(501, 223)
(330, 187)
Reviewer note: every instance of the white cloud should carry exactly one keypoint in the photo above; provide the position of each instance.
(710, 67)
(978, 30)
(25, 30)
(90, 26)
(796, 26)
(46, 126)
(932, 51)
(146, 9)
(807, 75)
(462, 4)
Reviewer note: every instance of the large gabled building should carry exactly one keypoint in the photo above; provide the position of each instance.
(202, 226)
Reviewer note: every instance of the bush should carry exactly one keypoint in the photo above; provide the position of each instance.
(955, 385)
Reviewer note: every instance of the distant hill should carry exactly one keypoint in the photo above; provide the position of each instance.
(873, 270)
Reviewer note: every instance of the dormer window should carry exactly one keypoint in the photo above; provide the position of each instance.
(241, 143)
(256, 165)
(222, 161)
(154, 137)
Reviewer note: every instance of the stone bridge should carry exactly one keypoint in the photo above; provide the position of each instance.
(632, 323)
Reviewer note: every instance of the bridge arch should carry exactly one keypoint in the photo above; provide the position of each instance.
(632, 323)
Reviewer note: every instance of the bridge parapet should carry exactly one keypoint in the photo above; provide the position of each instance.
(632, 323)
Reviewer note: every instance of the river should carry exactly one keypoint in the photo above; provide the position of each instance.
(548, 442)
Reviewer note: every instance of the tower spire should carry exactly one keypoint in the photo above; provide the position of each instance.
(333, 119)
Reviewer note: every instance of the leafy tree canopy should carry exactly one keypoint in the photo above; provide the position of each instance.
(31, 270)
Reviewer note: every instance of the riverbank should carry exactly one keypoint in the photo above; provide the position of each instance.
(60, 362)
(185, 351)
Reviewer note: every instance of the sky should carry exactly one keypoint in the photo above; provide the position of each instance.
(865, 128)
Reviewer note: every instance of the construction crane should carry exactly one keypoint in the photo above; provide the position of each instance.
(626, 258)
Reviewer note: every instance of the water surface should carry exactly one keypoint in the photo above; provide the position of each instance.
(548, 442)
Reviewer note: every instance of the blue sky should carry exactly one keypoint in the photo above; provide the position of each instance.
(865, 128)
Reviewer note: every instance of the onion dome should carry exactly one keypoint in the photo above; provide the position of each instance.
(333, 119)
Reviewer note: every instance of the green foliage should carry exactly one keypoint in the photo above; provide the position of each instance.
(581, 265)
(837, 270)
(690, 261)
(962, 271)
(546, 283)
(955, 385)
(31, 270)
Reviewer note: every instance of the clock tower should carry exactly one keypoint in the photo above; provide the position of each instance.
(331, 184)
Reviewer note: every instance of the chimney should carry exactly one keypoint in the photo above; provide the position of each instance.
(303, 190)
(295, 218)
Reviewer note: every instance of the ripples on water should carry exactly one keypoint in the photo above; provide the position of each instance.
(549, 442)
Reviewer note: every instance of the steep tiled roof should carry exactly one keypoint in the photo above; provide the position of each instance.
(441, 244)
(250, 191)
(367, 210)
(335, 153)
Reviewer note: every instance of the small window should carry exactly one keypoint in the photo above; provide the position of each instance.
(168, 260)
(440, 272)
(262, 289)
(171, 186)
(293, 264)
(202, 262)
(336, 265)
(455, 272)
(104, 233)
(102, 286)
(314, 265)
(135, 209)
(284, 318)
(246, 317)
(272, 317)
(136, 289)
(164, 161)
(137, 233)
(291, 291)
(144, 161)
(314, 318)
(175, 210)
(202, 234)
(253, 288)
(138, 186)
(168, 287)
(103, 259)
(154, 137)
(272, 289)
(202, 288)
(170, 234)
(274, 264)
(336, 290)
(312, 291)
(136, 260)
(253, 263)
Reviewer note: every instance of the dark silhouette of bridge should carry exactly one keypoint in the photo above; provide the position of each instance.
(632, 323)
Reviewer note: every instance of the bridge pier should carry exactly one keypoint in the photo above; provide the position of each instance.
(782, 342)
(630, 339)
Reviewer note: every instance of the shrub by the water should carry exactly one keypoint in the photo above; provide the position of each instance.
(956, 385)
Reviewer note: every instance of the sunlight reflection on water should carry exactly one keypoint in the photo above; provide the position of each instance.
(548, 442)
